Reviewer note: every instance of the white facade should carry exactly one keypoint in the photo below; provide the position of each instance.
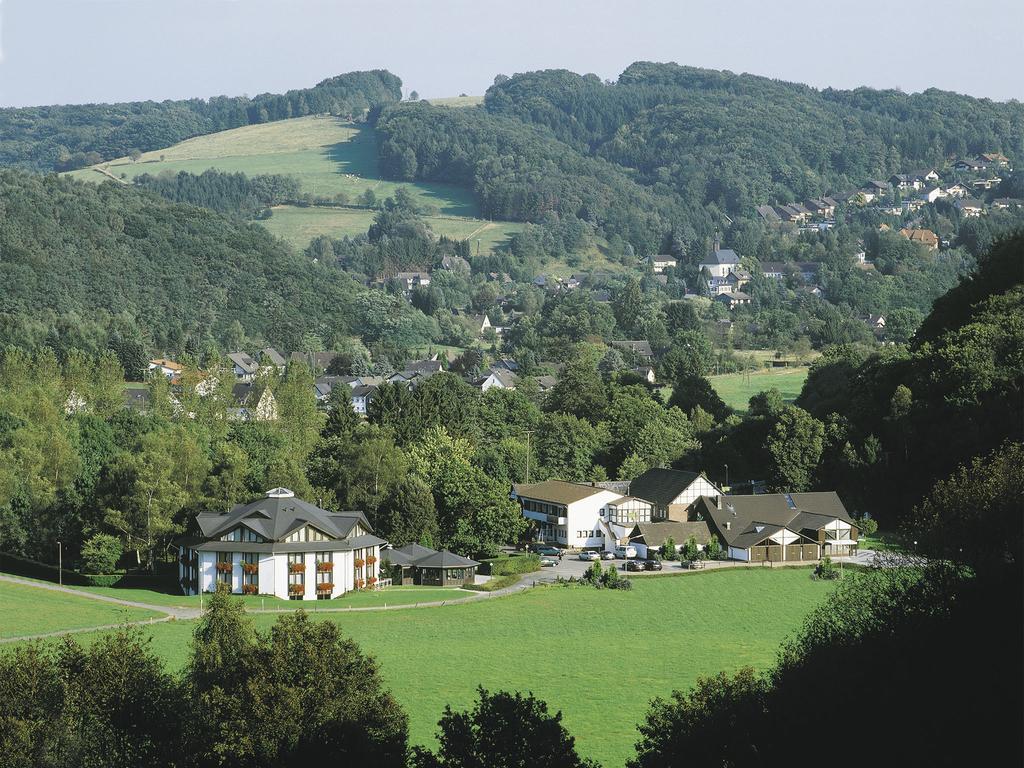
(274, 576)
(600, 520)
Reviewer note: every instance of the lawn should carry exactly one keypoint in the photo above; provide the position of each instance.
(457, 101)
(27, 610)
(300, 225)
(736, 389)
(598, 656)
(327, 154)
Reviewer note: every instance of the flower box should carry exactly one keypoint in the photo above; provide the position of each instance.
(359, 562)
(296, 568)
(251, 568)
(325, 567)
(250, 589)
(371, 581)
(325, 586)
(224, 567)
(371, 560)
(296, 589)
(360, 583)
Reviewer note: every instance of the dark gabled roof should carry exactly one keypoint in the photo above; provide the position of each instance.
(415, 551)
(240, 392)
(661, 486)
(641, 347)
(243, 361)
(363, 391)
(656, 534)
(276, 515)
(445, 559)
(424, 366)
(273, 356)
(722, 256)
(556, 491)
(795, 511)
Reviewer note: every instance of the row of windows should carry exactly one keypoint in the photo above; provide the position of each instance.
(532, 505)
(241, 533)
(587, 534)
(308, 533)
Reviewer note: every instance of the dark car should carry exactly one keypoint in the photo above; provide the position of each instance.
(634, 565)
(652, 565)
(548, 551)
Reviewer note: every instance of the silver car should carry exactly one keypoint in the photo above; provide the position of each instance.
(607, 555)
(589, 556)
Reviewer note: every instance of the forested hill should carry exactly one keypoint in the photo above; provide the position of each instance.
(742, 140)
(58, 138)
(83, 263)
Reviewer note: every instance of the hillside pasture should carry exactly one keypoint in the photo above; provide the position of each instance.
(736, 389)
(299, 225)
(328, 156)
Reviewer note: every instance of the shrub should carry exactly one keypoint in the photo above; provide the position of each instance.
(102, 580)
(868, 525)
(826, 570)
(714, 548)
(668, 549)
(508, 566)
(690, 549)
(101, 553)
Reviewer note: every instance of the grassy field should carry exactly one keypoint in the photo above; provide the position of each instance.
(327, 154)
(300, 225)
(736, 389)
(26, 610)
(457, 101)
(598, 656)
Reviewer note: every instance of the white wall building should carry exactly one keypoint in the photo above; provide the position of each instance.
(580, 516)
(282, 546)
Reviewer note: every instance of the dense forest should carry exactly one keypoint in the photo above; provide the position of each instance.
(83, 263)
(58, 138)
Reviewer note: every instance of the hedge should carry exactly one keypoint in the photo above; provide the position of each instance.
(33, 569)
(510, 566)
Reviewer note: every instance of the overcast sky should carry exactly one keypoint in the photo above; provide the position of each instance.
(74, 51)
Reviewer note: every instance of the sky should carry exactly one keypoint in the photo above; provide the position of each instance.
(79, 51)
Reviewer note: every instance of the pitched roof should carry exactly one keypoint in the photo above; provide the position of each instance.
(444, 559)
(557, 491)
(640, 347)
(661, 486)
(796, 511)
(656, 534)
(163, 362)
(424, 366)
(273, 356)
(722, 256)
(243, 361)
(276, 515)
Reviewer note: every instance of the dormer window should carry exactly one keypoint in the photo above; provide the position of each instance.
(241, 533)
(307, 533)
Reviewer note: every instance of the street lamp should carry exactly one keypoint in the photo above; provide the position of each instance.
(726, 476)
(60, 565)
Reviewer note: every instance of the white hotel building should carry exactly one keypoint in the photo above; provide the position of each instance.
(282, 546)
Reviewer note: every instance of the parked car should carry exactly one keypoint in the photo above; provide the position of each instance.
(548, 562)
(634, 565)
(625, 553)
(607, 555)
(590, 556)
(652, 565)
(548, 551)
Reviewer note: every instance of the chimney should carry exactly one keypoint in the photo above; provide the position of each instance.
(728, 525)
(718, 501)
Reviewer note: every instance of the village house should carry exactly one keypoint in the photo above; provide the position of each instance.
(497, 377)
(958, 190)
(660, 263)
(931, 194)
(780, 527)
(1005, 203)
(733, 300)
(925, 237)
(996, 159)
(243, 366)
(971, 164)
(645, 372)
(649, 539)
(279, 545)
(639, 348)
(271, 358)
(361, 396)
(168, 368)
(455, 264)
(969, 208)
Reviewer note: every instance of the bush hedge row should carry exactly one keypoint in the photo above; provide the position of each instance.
(509, 566)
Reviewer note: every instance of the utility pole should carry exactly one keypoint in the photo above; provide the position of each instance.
(528, 433)
(60, 565)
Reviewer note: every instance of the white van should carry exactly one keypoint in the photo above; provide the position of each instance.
(625, 553)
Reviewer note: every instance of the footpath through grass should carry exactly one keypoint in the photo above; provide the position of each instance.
(598, 656)
(27, 610)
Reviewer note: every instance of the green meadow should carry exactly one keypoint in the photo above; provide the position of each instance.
(598, 656)
(300, 225)
(28, 610)
(736, 389)
(328, 155)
